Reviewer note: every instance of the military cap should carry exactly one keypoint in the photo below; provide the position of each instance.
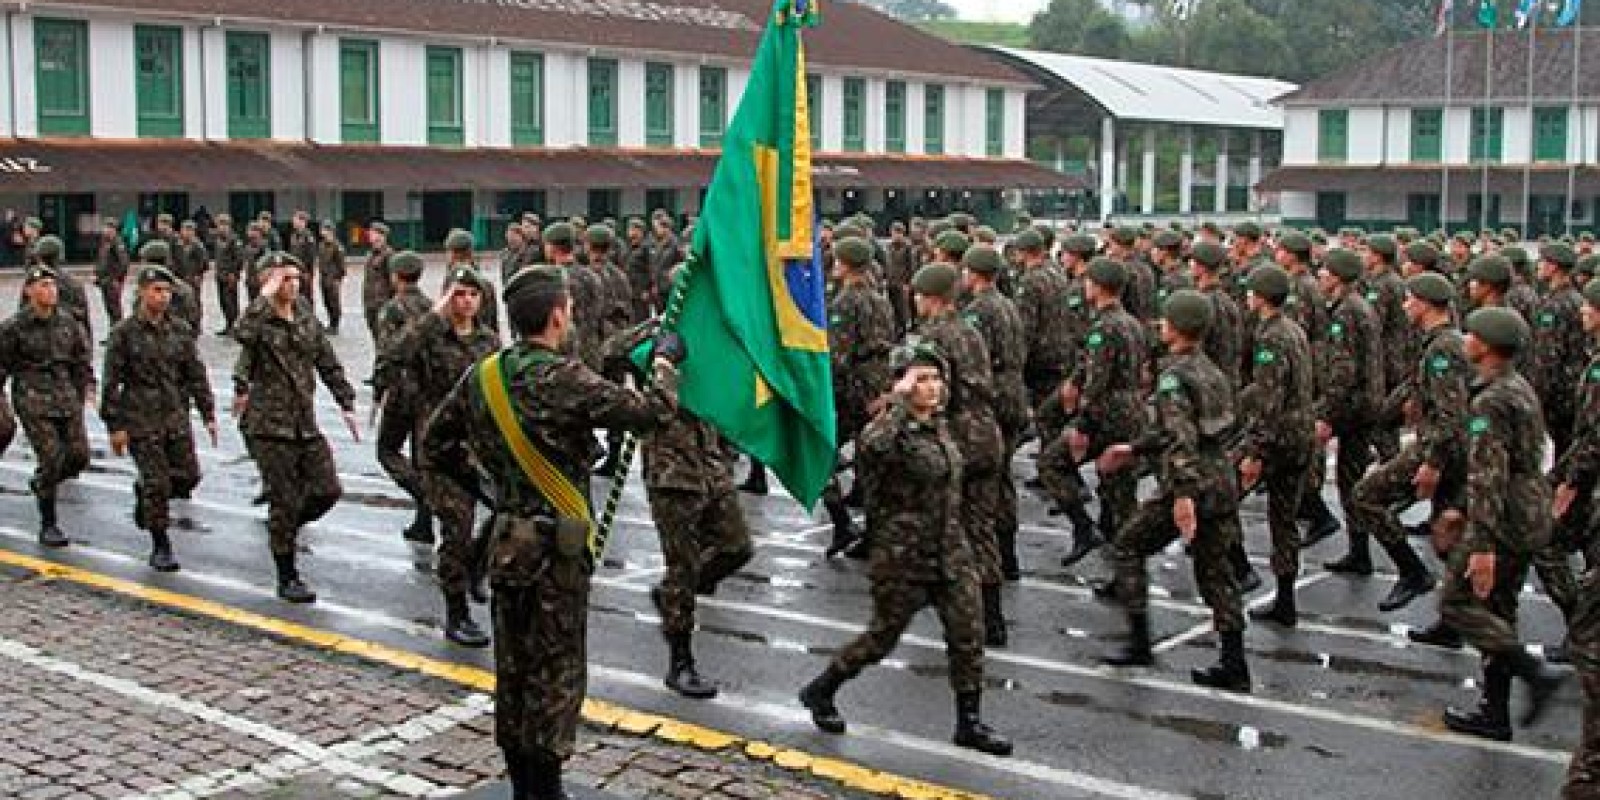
(953, 242)
(163, 217)
(1383, 245)
(1349, 231)
(111, 222)
(468, 276)
(328, 225)
(1587, 237)
(1189, 311)
(1247, 230)
(985, 234)
(278, 258)
(188, 225)
(982, 259)
(1464, 237)
(1271, 283)
(847, 230)
(1024, 221)
(635, 224)
(1517, 255)
(1406, 236)
(156, 251)
(1591, 293)
(39, 272)
(1511, 234)
(1107, 273)
(1080, 244)
(920, 354)
(223, 220)
(1319, 237)
(155, 274)
(1344, 264)
(1498, 326)
(48, 247)
(1125, 235)
(1210, 254)
(1587, 265)
(1028, 240)
(263, 215)
(529, 284)
(600, 235)
(560, 233)
(852, 251)
(1168, 240)
(1212, 228)
(1559, 254)
(459, 239)
(406, 264)
(379, 227)
(964, 221)
(1432, 287)
(1295, 242)
(936, 280)
(937, 228)
(1495, 269)
(1422, 253)
(897, 227)
(529, 216)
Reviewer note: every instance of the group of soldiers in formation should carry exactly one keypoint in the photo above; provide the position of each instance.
(1220, 363)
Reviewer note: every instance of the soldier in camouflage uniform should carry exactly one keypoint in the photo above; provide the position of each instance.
(921, 556)
(1249, 252)
(45, 354)
(586, 288)
(860, 334)
(1433, 466)
(394, 392)
(1351, 391)
(1560, 348)
(460, 250)
(1139, 292)
(540, 564)
(995, 317)
(429, 356)
(616, 300)
(1507, 518)
(641, 278)
(1575, 475)
(330, 277)
(48, 251)
(1198, 498)
(255, 246)
(111, 268)
(1041, 302)
(376, 285)
(152, 375)
(283, 352)
(972, 419)
(1279, 437)
(1385, 291)
(232, 265)
(1225, 336)
(303, 246)
(516, 254)
(1521, 296)
(190, 263)
(1105, 405)
(902, 264)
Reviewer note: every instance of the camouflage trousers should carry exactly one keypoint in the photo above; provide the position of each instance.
(8, 427)
(1118, 492)
(704, 539)
(1380, 496)
(397, 425)
(1489, 625)
(199, 310)
(301, 483)
(894, 604)
(540, 647)
(60, 449)
(1583, 642)
(228, 297)
(458, 557)
(1353, 459)
(167, 468)
(1150, 530)
(111, 297)
(331, 301)
(1284, 478)
(983, 501)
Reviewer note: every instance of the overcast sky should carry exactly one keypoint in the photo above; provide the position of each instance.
(998, 10)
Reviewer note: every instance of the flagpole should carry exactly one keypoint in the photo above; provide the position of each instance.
(1527, 166)
(1488, 84)
(1583, 125)
(1444, 119)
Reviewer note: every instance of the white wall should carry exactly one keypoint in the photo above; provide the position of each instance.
(630, 103)
(113, 104)
(1016, 141)
(213, 118)
(288, 85)
(1517, 145)
(832, 113)
(1398, 149)
(1300, 136)
(25, 97)
(326, 125)
(916, 120)
(685, 106)
(876, 120)
(403, 105)
(1365, 136)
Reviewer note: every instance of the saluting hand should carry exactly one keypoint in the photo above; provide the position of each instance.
(1183, 516)
(119, 443)
(1249, 473)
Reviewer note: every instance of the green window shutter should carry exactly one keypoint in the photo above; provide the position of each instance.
(658, 105)
(1333, 136)
(933, 115)
(1550, 134)
(61, 75)
(527, 99)
(894, 113)
(713, 106)
(602, 102)
(855, 115)
(249, 92)
(158, 80)
(358, 91)
(1427, 135)
(444, 96)
(995, 117)
(814, 109)
(1488, 134)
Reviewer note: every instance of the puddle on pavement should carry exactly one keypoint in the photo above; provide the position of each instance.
(1244, 737)
(776, 581)
(377, 500)
(187, 524)
(1352, 665)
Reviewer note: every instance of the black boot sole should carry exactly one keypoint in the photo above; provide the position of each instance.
(826, 720)
(1403, 595)
(1472, 724)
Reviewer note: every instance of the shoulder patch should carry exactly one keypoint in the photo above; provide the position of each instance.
(1168, 383)
(1372, 295)
(1439, 365)
(1096, 340)
(836, 319)
(1478, 426)
(970, 318)
(1336, 330)
(1547, 319)
(1265, 356)
(1594, 374)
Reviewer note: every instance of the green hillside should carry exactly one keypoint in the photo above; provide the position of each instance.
(1009, 34)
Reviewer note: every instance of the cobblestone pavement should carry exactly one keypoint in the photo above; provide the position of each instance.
(104, 696)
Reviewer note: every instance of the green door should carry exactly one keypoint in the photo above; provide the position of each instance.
(442, 212)
(1330, 210)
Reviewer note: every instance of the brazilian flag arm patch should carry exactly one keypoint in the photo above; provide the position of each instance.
(1265, 356)
(1594, 374)
(1169, 383)
(1478, 426)
(1439, 365)
(1096, 340)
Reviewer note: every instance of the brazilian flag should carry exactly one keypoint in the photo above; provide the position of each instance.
(754, 314)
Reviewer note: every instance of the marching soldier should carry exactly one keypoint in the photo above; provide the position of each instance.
(641, 277)
(516, 254)
(232, 264)
(1225, 336)
(153, 375)
(1042, 294)
(394, 392)
(1350, 394)
(190, 263)
(255, 248)
(616, 299)
(303, 246)
(535, 403)
(376, 285)
(1575, 475)
(586, 288)
(860, 334)
(111, 268)
(898, 270)
(48, 252)
(1385, 292)
(330, 280)
(1560, 348)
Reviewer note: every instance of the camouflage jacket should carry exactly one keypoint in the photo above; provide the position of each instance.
(686, 455)
(1385, 292)
(1508, 498)
(330, 260)
(911, 477)
(1109, 375)
(901, 264)
(1351, 369)
(231, 255)
(1276, 407)
(111, 260)
(395, 318)
(971, 408)
(429, 357)
(376, 288)
(47, 360)
(1560, 351)
(1139, 292)
(1580, 465)
(152, 374)
(641, 277)
(190, 261)
(1193, 420)
(860, 335)
(303, 246)
(995, 316)
(1046, 320)
(1438, 387)
(588, 312)
(1225, 338)
(617, 299)
(279, 363)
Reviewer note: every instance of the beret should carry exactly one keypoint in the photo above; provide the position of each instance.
(406, 263)
(156, 274)
(982, 259)
(953, 242)
(1125, 235)
(560, 233)
(1168, 239)
(1295, 242)
(1210, 254)
(467, 276)
(459, 240)
(379, 227)
(600, 235)
(1344, 264)
(1247, 230)
(532, 280)
(155, 250)
(1029, 239)
(1383, 245)
(935, 280)
(1517, 255)
(1491, 269)
(852, 251)
(48, 247)
(1558, 253)
(1270, 283)
(1107, 273)
(919, 354)
(1422, 253)
(1189, 311)
(1498, 326)
(1080, 244)
(1432, 287)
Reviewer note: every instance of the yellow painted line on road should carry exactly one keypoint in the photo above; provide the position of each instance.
(599, 713)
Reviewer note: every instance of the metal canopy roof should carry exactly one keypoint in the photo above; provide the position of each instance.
(1151, 93)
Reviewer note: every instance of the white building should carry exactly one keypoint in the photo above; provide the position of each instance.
(434, 114)
(1387, 143)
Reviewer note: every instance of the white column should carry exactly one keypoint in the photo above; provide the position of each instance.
(1220, 202)
(1147, 189)
(1255, 166)
(1186, 174)
(1108, 166)
(1061, 155)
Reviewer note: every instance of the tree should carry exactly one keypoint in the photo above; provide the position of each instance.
(913, 10)
(1082, 27)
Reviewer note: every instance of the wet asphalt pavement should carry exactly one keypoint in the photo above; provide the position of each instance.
(1343, 705)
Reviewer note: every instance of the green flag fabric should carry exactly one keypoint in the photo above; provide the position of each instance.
(754, 315)
(1488, 13)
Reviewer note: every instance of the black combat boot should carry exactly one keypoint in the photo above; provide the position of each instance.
(459, 626)
(971, 733)
(852, 499)
(420, 531)
(1010, 568)
(517, 772)
(846, 534)
(1321, 523)
(1492, 718)
(1137, 653)
(994, 619)
(1085, 537)
(1542, 682)
(1249, 579)
(49, 534)
(817, 697)
(478, 577)
(1230, 673)
(138, 507)
(1438, 634)
(290, 587)
(1282, 611)
(756, 482)
(161, 558)
(1358, 561)
(719, 568)
(1415, 580)
(682, 676)
(544, 777)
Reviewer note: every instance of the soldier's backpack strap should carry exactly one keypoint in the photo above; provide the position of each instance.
(556, 487)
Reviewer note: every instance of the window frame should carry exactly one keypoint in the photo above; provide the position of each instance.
(854, 135)
(451, 130)
(1547, 147)
(60, 120)
(1488, 135)
(526, 85)
(933, 119)
(243, 125)
(660, 99)
(713, 108)
(603, 135)
(360, 129)
(152, 122)
(1333, 135)
(1427, 147)
(994, 117)
(894, 116)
